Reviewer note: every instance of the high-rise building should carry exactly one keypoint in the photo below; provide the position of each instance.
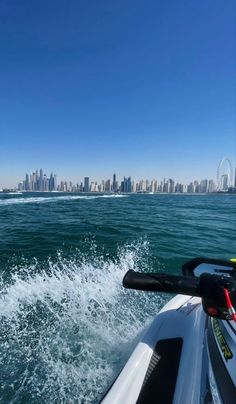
(55, 182)
(41, 180)
(160, 187)
(142, 186)
(20, 186)
(133, 186)
(51, 182)
(86, 184)
(165, 186)
(211, 186)
(179, 188)
(190, 188)
(114, 184)
(196, 186)
(126, 185)
(203, 186)
(102, 186)
(38, 181)
(153, 186)
(70, 186)
(108, 186)
(171, 185)
(45, 183)
(27, 183)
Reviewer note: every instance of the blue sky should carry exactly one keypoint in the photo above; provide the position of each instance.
(140, 88)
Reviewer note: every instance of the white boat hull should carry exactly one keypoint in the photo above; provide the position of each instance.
(182, 319)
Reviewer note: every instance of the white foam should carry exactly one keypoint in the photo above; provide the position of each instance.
(14, 193)
(115, 196)
(72, 323)
(41, 199)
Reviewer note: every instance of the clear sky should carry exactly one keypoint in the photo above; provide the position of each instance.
(138, 87)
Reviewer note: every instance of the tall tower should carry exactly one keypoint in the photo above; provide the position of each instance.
(86, 184)
(41, 180)
(55, 182)
(27, 184)
(51, 182)
(126, 185)
(114, 183)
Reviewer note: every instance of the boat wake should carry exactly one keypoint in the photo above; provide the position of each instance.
(49, 199)
(67, 328)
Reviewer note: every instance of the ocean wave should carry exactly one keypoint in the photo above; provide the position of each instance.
(66, 328)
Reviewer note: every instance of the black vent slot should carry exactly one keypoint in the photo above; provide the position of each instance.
(160, 379)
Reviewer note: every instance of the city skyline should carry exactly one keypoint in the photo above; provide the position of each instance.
(38, 180)
(72, 175)
(145, 88)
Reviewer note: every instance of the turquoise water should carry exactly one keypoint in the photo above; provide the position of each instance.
(67, 326)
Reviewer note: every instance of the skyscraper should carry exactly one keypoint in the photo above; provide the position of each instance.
(170, 185)
(86, 184)
(114, 184)
(27, 184)
(153, 187)
(45, 183)
(204, 186)
(108, 186)
(51, 182)
(126, 185)
(211, 186)
(41, 180)
(142, 186)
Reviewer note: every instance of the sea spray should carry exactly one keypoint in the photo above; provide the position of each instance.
(68, 327)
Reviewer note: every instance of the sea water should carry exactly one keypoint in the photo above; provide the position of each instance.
(67, 325)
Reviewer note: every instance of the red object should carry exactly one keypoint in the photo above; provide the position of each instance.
(229, 305)
(212, 311)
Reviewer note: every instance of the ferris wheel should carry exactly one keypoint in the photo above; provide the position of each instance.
(224, 174)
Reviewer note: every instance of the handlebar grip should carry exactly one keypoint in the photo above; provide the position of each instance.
(161, 282)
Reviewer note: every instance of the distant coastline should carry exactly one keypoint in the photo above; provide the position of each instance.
(9, 191)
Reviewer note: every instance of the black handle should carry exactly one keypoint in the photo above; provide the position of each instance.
(209, 287)
(161, 282)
